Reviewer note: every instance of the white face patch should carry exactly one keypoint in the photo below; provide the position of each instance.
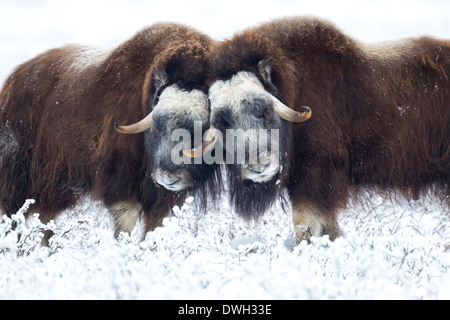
(243, 86)
(173, 99)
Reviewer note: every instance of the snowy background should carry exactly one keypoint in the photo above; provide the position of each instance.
(392, 249)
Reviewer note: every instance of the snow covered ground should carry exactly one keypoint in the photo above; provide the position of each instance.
(392, 249)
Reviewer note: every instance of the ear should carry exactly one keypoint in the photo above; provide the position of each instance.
(160, 78)
(155, 79)
(265, 69)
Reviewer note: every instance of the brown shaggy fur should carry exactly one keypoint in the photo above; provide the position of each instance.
(56, 122)
(380, 113)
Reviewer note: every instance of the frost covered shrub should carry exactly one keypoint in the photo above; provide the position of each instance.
(394, 251)
(21, 237)
(17, 237)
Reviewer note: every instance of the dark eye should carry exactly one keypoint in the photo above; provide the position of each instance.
(155, 133)
(268, 113)
(156, 127)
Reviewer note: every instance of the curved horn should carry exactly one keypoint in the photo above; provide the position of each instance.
(210, 140)
(289, 114)
(137, 127)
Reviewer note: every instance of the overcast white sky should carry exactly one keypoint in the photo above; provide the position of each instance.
(28, 27)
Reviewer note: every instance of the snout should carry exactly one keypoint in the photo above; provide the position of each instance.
(170, 181)
(264, 170)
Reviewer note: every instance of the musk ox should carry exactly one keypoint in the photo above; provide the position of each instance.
(349, 116)
(57, 139)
